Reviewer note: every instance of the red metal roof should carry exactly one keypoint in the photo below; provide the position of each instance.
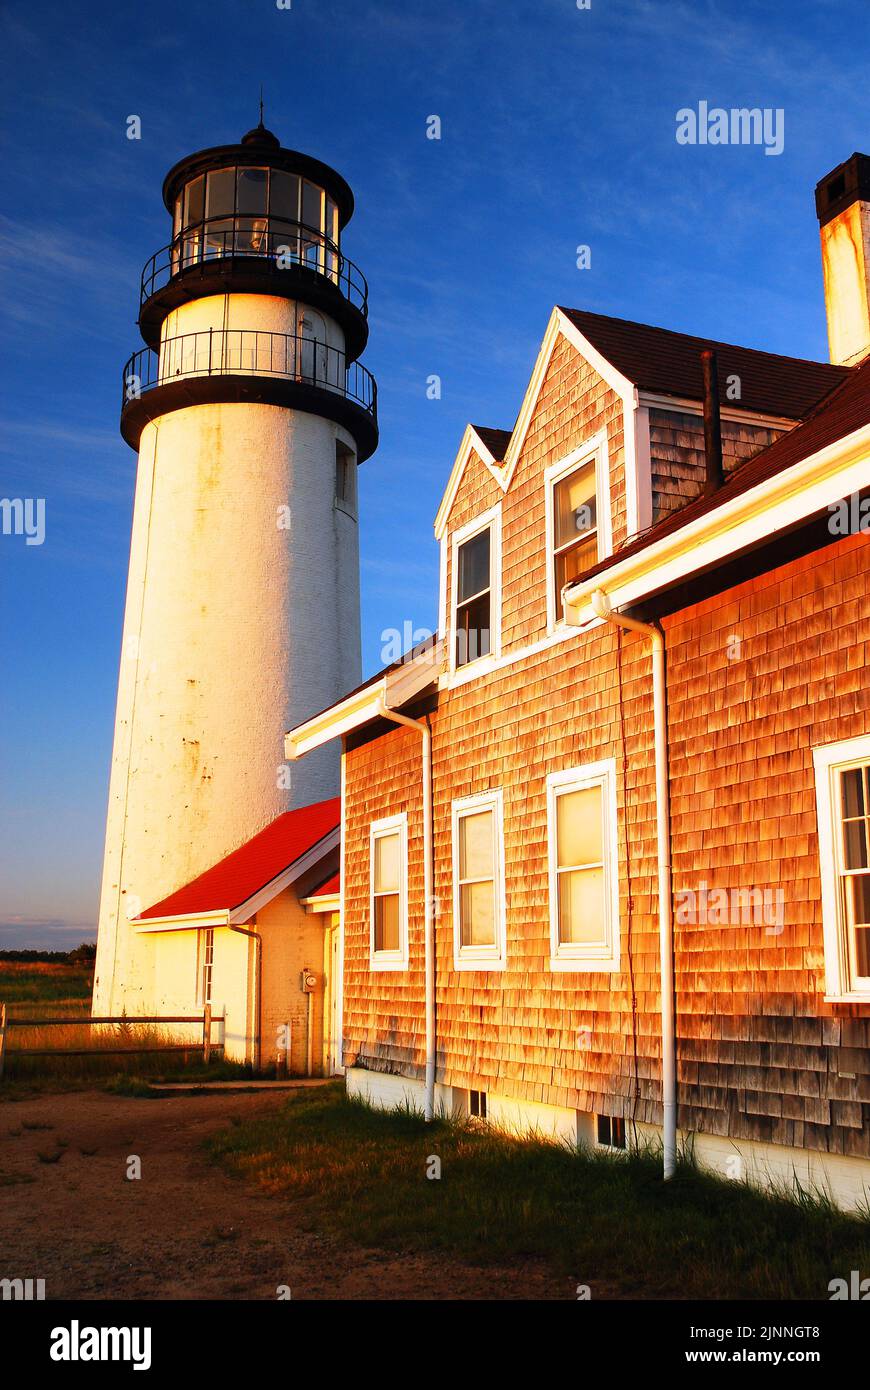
(662, 361)
(328, 889)
(254, 864)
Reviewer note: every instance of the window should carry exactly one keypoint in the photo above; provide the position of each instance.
(843, 804)
(389, 913)
(477, 1104)
(575, 523)
(478, 891)
(578, 519)
(254, 211)
(610, 1131)
(584, 889)
(206, 957)
(476, 579)
(252, 189)
(345, 478)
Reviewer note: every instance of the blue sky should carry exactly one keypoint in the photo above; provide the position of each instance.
(558, 129)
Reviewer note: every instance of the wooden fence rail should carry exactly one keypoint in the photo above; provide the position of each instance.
(205, 1020)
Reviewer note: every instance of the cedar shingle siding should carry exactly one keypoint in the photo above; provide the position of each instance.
(760, 1054)
(677, 455)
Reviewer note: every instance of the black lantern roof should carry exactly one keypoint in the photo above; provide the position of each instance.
(266, 148)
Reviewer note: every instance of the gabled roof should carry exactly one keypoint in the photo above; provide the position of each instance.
(843, 411)
(248, 870)
(637, 357)
(663, 361)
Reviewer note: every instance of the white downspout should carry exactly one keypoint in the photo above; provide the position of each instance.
(601, 606)
(429, 892)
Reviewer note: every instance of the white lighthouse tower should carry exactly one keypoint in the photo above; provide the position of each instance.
(250, 412)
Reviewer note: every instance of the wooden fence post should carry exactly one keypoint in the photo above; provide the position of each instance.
(206, 1034)
(2, 1039)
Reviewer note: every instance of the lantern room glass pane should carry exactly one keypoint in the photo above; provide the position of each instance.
(311, 197)
(220, 193)
(193, 201)
(284, 196)
(219, 238)
(331, 225)
(252, 192)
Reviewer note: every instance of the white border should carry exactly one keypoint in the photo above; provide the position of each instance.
(584, 957)
(828, 760)
(481, 957)
(595, 451)
(489, 520)
(390, 960)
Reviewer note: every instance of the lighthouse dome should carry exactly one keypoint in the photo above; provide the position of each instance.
(262, 137)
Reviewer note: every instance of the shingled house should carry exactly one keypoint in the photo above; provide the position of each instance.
(604, 861)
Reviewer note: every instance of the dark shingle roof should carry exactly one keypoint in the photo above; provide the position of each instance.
(845, 410)
(495, 440)
(659, 360)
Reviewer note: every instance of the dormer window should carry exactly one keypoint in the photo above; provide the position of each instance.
(578, 519)
(575, 524)
(476, 571)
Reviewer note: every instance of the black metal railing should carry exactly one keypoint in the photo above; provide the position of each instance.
(249, 352)
(290, 245)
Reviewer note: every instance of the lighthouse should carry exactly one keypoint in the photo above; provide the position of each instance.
(250, 412)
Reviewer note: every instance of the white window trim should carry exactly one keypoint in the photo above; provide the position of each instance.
(594, 450)
(481, 957)
(491, 520)
(828, 761)
(577, 956)
(390, 960)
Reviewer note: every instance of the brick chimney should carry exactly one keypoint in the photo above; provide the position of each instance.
(843, 208)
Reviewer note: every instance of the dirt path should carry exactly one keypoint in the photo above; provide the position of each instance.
(185, 1229)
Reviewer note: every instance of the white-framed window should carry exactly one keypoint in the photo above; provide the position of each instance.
(843, 805)
(478, 882)
(577, 504)
(388, 859)
(583, 865)
(206, 966)
(476, 583)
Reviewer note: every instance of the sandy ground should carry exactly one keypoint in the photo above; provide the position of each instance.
(186, 1229)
